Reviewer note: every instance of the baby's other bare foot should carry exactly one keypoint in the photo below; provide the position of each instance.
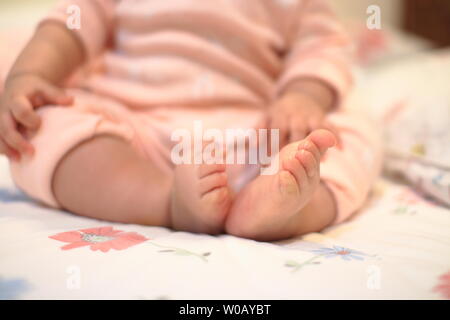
(266, 208)
(201, 198)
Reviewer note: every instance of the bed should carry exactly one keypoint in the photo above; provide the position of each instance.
(396, 247)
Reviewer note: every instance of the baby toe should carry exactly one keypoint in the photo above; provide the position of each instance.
(295, 168)
(212, 181)
(322, 139)
(309, 162)
(207, 169)
(310, 146)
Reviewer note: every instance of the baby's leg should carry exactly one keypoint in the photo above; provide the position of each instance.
(291, 202)
(201, 198)
(94, 159)
(105, 178)
(301, 202)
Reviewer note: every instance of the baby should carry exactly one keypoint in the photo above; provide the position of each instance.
(88, 110)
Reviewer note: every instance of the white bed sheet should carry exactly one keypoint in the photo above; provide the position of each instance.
(396, 248)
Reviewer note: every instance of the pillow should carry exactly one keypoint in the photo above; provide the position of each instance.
(374, 47)
(411, 101)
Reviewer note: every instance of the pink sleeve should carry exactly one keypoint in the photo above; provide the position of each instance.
(320, 49)
(96, 19)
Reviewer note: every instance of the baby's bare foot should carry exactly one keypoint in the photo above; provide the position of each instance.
(201, 198)
(266, 208)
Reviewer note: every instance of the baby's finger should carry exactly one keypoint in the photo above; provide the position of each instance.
(54, 95)
(298, 129)
(37, 101)
(263, 122)
(11, 136)
(24, 113)
(9, 152)
(279, 122)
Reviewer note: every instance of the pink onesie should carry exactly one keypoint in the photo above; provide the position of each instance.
(160, 65)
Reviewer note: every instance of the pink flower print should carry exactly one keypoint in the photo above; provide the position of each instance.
(103, 239)
(395, 110)
(407, 197)
(444, 286)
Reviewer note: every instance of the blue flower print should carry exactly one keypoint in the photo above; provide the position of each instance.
(336, 251)
(12, 288)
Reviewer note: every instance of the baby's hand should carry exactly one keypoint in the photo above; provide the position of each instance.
(23, 93)
(296, 115)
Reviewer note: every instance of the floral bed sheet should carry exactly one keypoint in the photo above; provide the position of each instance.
(397, 247)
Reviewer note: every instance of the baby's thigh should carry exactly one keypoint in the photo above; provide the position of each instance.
(62, 129)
